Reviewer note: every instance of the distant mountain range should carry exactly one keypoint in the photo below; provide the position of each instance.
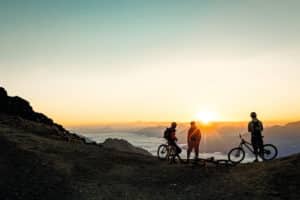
(223, 138)
(287, 138)
(219, 137)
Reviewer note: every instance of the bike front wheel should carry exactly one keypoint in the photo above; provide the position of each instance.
(236, 155)
(270, 152)
(162, 152)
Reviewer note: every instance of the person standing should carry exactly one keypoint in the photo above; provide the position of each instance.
(193, 140)
(255, 127)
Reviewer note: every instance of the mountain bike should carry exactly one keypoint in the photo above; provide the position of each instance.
(166, 152)
(216, 162)
(237, 155)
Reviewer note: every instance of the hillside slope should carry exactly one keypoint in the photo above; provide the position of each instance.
(41, 160)
(37, 165)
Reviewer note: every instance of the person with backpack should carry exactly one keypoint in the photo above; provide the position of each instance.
(170, 136)
(193, 140)
(255, 127)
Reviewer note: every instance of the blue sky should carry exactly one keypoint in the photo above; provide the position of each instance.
(130, 55)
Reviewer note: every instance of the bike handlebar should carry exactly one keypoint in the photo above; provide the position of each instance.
(241, 135)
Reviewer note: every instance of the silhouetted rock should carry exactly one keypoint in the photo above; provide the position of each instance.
(3, 93)
(3, 99)
(16, 110)
(123, 145)
(39, 117)
(18, 106)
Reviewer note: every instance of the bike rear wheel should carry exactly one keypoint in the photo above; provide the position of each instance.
(162, 152)
(270, 152)
(236, 155)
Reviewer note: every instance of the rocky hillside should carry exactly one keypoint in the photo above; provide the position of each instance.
(41, 161)
(18, 106)
(17, 112)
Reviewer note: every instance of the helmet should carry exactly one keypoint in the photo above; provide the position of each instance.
(193, 123)
(253, 115)
(173, 124)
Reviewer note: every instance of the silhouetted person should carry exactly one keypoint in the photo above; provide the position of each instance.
(170, 136)
(193, 140)
(255, 127)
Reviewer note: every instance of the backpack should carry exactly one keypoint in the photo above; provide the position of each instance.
(167, 133)
(256, 126)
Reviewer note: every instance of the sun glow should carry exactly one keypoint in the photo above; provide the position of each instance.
(206, 117)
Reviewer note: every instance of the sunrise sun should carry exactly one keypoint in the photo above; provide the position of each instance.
(206, 117)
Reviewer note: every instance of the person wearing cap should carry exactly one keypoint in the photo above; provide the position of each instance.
(193, 140)
(255, 127)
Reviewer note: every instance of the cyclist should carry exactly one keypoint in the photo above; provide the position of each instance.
(170, 136)
(255, 127)
(193, 140)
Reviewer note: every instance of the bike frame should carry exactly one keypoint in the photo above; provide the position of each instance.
(248, 145)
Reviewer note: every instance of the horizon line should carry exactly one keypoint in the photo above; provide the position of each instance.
(103, 123)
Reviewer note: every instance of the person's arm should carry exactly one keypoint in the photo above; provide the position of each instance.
(200, 134)
(173, 136)
(250, 127)
(261, 126)
(189, 136)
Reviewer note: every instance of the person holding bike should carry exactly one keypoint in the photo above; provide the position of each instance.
(170, 136)
(255, 127)
(265, 151)
(193, 140)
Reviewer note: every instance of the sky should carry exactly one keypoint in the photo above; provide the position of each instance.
(92, 61)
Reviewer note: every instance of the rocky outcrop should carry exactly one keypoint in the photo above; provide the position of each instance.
(20, 107)
(123, 145)
(17, 112)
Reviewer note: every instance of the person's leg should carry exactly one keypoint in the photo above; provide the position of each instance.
(260, 146)
(255, 147)
(178, 149)
(172, 144)
(189, 150)
(197, 149)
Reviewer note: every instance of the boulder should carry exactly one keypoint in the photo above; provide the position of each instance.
(125, 146)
